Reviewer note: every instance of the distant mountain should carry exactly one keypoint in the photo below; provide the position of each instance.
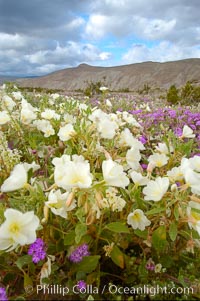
(133, 76)
(4, 79)
(7, 78)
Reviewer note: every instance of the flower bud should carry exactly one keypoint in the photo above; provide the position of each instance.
(70, 199)
(174, 188)
(90, 218)
(46, 214)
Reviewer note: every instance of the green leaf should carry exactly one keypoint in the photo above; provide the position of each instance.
(80, 214)
(69, 238)
(155, 210)
(80, 230)
(173, 231)
(117, 257)
(142, 271)
(140, 233)
(166, 261)
(176, 213)
(159, 238)
(118, 227)
(88, 264)
(24, 260)
(28, 284)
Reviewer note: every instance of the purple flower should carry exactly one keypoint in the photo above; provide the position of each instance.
(78, 254)
(178, 132)
(143, 139)
(150, 265)
(81, 285)
(144, 166)
(37, 250)
(3, 296)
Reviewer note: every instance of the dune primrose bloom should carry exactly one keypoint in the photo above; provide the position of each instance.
(193, 213)
(113, 174)
(18, 177)
(18, 229)
(158, 160)
(72, 173)
(155, 190)
(138, 220)
(187, 132)
(4, 117)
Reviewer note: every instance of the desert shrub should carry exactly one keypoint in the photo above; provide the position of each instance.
(173, 95)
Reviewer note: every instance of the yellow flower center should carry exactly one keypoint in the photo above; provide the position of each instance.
(136, 217)
(159, 163)
(77, 178)
(14, 228)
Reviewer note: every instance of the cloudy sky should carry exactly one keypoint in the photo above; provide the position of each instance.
(40, 36)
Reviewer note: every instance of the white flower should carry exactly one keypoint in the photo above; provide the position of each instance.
(175, 174)
(17, 95)
(185, 165)
(138, 178)
(8, 103)
(69, 118)
(66, 132)
(174, 187)
(4, 117)
(113, 174)
(138, 220)
(195, 163)
(45, 127)
(158, 268)
(192, 179)
(107, 128)
(133, 157)
(18, 177)
(50, 114)
(57, 203)
(18, 229)
(27, 114)
(72, 173)
(97, 115)
(193, 213)
(117, 203)
(127, 139)
(55, 96)
(187, 132)
(163, 148)
(112, 200)
(108, 103)
(130, 119)
(155, 190)
(82, 107)
(158, 160)
(103, 89)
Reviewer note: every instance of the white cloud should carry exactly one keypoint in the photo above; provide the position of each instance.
(154, 29)
(162, 52)
(71, 52)
(8, 41)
